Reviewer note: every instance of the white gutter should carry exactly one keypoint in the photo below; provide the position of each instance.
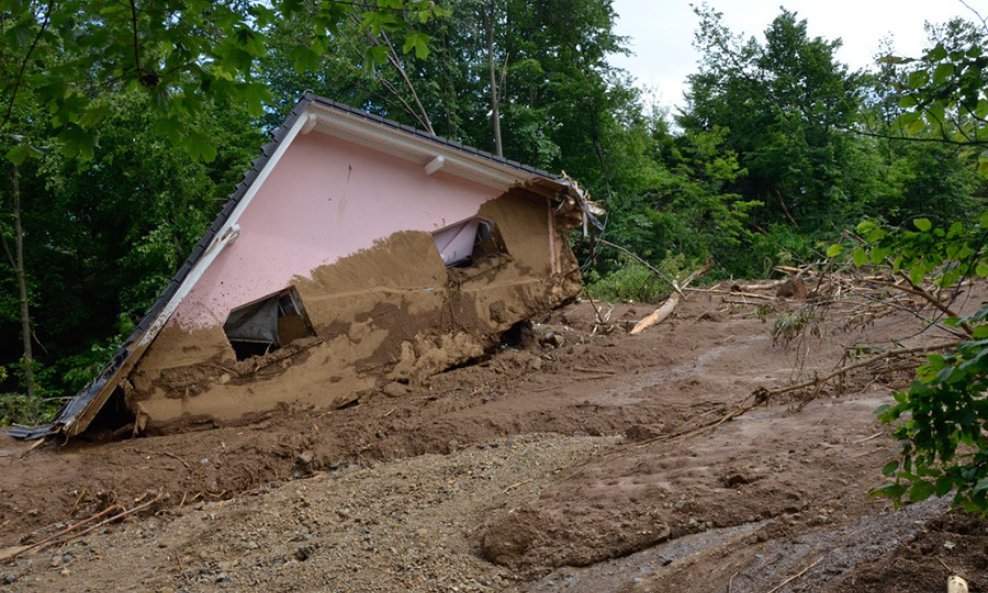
(431, 155)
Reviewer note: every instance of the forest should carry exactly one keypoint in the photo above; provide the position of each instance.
(126, 125)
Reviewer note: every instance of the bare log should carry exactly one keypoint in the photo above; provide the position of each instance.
(659, 315)
(752, 287)
(670, 303)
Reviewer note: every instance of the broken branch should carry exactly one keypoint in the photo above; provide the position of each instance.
(652, 268)
(659, 315)
(173, 456)
(864, 363)
(797, 575)
(52, 538)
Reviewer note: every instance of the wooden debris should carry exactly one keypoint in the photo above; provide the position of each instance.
(753, 286)
(659, 315)
(796, 576)
(173, 456)
(670, 303)
(71, 533)
(819, 381)
(956, 584)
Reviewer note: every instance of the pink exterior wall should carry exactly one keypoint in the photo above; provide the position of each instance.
(324, 200)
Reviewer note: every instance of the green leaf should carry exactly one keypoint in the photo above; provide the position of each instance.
(76, 141)
(199, 146)
(918, 79)
(890, 468)
(943, 485)
(835, 250)
(981, 269)
(865, 227)
(907, 118)
(942, 73)
(860, 257)
(983, 167)
(917, 273)
(893, 491)
(169, 128)
(921, 491)
(419, 42)
(923, 224)
(377, 54)
(18, 154)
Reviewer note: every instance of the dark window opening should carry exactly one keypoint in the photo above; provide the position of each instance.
(264, 326)
(468, 243)
(114, 420)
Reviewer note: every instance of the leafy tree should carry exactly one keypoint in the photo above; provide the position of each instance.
(941, 421)
(107, 232)
(785, 103)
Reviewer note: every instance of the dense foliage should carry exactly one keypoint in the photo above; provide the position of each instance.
(941, 421)
(125, 124)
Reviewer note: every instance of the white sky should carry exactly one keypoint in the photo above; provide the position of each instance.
(660, 32)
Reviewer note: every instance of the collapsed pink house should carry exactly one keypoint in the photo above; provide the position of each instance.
(356, 252)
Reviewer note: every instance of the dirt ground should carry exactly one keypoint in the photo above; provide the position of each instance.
(570, 466)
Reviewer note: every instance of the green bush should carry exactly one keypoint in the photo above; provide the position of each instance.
(633, 281)
(781, 245)
(18, 408)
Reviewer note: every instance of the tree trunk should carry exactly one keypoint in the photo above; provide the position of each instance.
(22, 287)
(495, 101)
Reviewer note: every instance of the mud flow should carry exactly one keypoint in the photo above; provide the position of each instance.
(569, 458)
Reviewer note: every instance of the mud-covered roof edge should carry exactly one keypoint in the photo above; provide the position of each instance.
(77, 413)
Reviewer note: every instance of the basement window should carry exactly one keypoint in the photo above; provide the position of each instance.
(468, 243)
(265, 325)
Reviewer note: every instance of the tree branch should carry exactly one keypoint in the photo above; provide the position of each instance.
(915, 290)
(137, 47)
(870, 134)
(24, 63)
(394, 58)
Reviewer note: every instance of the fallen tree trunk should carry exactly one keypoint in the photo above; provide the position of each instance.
(666, 309)
(659, 315)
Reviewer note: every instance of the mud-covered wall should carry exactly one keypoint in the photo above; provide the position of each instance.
(325, 199)
(387, 311)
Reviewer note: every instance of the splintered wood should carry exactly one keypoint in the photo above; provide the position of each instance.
(667, 307)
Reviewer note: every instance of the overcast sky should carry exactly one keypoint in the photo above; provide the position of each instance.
(660, 32)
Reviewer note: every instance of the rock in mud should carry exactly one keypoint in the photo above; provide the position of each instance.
(395, 389)
(507, 541)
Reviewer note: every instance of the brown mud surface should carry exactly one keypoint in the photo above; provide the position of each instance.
(551, 468)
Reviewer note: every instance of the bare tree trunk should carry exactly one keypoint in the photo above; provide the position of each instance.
(22, 287)
(495, 100)
(395, 58)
